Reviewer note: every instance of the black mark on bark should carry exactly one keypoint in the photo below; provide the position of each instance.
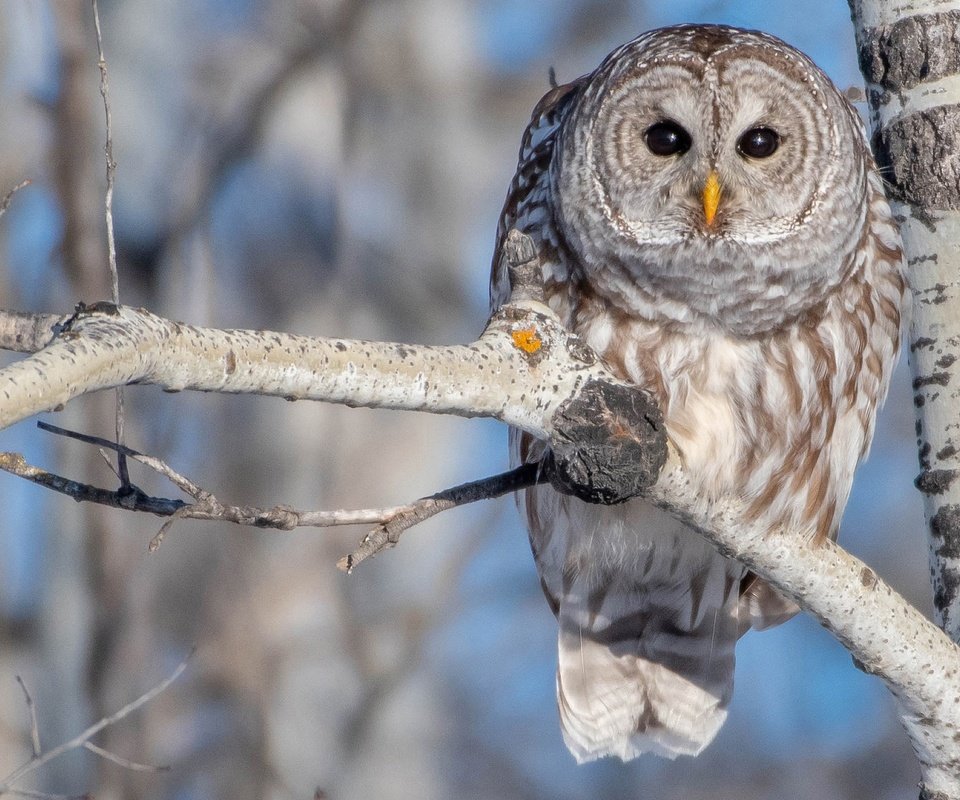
(917, 156)
(946, 361)
(913, 50)
(949, 451)
(924, 455)
(935, 379)
(926, 795)
(946, 592)
(945, 527)
(935, 481)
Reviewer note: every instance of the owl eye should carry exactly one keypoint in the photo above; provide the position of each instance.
(667, 138)
(758, 143)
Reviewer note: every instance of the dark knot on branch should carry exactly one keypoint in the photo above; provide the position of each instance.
(609, 443)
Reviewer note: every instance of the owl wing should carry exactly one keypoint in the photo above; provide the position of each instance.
(527, 206)
(762, 606)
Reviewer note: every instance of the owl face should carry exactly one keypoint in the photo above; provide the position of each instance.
(714, 173)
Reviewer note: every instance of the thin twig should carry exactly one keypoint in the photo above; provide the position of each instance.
(134, 499)
(34, 727)
(122, 470)
(391, 522)
(35, 795)
(105, 456)
(108, 153)
(15, 464)
(81, 739)
(5, 203)
(126, 763)
(388, 533)
(121, 449)
(185, 485)
(157, 540)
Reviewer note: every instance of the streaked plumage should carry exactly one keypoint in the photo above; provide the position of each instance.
(767, 334)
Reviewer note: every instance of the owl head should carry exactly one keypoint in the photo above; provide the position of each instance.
(711, 176)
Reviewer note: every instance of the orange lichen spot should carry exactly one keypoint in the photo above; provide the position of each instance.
(527, 340)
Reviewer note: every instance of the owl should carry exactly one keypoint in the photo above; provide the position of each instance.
(712, 224)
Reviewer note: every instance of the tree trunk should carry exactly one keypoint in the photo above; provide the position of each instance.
(910, 59)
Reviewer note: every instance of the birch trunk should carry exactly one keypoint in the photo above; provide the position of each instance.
(910, 58)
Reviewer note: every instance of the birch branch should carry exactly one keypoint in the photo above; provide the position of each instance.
(607, 440)
(391, 522)
(525, 370)
(886, 636)
(82, 740)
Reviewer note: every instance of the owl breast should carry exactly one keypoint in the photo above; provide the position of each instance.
(778, 422)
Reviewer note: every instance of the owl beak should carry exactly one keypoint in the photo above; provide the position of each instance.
(711, 197)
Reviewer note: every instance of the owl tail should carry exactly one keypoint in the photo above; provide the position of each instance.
(648, 670)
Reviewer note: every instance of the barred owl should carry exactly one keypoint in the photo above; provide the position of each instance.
(713, 225)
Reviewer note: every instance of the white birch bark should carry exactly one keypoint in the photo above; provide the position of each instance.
(910, 58)
(485, 379)
(523, 370)
(911, 63)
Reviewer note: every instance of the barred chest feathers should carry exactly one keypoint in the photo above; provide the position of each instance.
(781, 421)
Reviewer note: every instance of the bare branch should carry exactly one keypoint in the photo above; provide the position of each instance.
(519, 380)
(126, 763)
(159, 536)
(122, 471)
(5, 203)
(34, 727)
(34, 795)
(388, 534)
(81, 740)
(15, 464)
(391, 521)
(108, 154)
(182, 483)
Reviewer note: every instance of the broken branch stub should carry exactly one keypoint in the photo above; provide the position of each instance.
(608, 442)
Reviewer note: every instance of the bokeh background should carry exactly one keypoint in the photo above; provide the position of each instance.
(337, 168)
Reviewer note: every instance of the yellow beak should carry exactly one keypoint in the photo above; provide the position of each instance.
(711, 197)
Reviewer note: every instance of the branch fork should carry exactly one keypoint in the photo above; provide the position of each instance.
(608, 444)
(607, 436)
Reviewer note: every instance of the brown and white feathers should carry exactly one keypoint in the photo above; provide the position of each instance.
(712, 224)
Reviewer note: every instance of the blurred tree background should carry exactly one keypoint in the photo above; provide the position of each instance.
(337, 168)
